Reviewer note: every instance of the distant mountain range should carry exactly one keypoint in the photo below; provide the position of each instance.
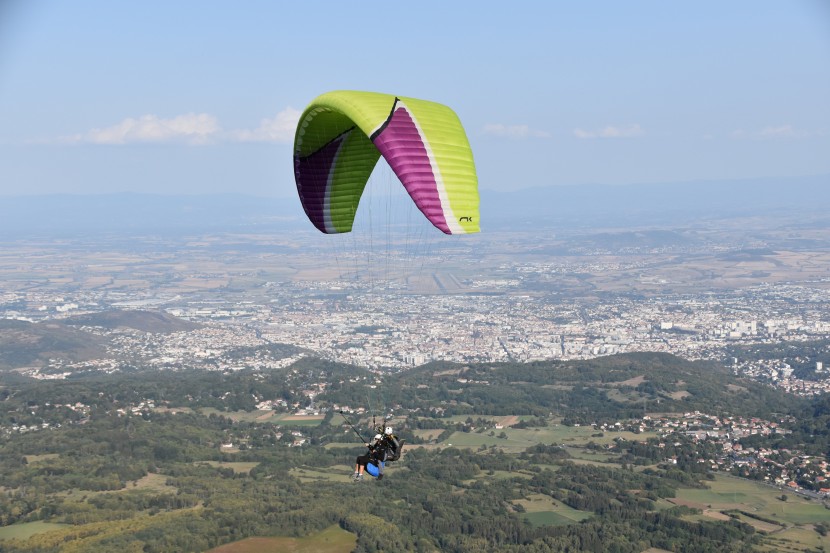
(581, 206)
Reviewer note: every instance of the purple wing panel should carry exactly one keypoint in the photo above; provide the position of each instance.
(313, 176)
(401, 144)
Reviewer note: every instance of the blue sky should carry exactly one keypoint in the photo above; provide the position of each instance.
(200, 96)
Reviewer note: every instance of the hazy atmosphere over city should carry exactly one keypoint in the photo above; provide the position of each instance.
(591, 313)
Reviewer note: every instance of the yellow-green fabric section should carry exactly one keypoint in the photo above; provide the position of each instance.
(366, 110)
(354, 164)
(451, 152)
(356, 159)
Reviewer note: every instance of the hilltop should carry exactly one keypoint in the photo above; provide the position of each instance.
(24, 344)
(605, 388)
(145, 321)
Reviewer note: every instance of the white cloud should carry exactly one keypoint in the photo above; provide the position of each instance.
(778, 132)
(629, 131)
(514, 131)
(279, 129)
(191, 128)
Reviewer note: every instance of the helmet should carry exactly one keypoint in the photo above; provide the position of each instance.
(388, 431)
(378, 436)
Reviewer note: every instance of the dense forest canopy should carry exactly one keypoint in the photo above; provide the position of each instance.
(188, 460)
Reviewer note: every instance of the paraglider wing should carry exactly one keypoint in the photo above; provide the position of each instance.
(341, 136)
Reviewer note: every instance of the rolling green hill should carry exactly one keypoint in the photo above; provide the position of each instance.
(24, 344)
(145, 321)
(620, 386)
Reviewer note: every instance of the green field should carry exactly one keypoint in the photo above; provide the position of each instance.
(153, 482)
(518, 440)
(491, 418)
(238, 416)
(543, 510)
(502, 474)
(286, 419)
(238, 467)
(331, 540)
(727, 492)
(793, 530)
(590, 456)
(290, 420)
(429, 434)
(797, 539)
(336, 473)
(25, 530)
(32, 459)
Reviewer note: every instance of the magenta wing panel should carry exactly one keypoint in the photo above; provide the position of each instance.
(400, 143)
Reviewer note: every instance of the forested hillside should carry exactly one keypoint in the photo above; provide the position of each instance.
(500, 458)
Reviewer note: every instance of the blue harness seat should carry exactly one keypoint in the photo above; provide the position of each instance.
(372, 467)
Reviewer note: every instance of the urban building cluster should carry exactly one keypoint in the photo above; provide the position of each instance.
(784, 468)
(385, 328)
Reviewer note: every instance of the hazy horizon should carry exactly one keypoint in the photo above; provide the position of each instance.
(385, 204)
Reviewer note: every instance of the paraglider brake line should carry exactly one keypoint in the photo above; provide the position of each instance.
(359, 435)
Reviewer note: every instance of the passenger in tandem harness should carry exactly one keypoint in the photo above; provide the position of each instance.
(384, 448)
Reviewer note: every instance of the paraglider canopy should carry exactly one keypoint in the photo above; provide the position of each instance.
(342, 134)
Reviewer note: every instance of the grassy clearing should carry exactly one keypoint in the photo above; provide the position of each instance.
(547, 518)
(331, 540)
(25, 530)
(632, 382)
(517, 440)
(297, 420)
(733, 493)
(510, 419)
(152, 482)
(32, 459)
(708, 515)
(589, 455)
(429, 434)
(263, 415)
(173, 410)
(335, 473)
(663, 504)
(238, 467)
(796, 539)
(544, 510)
(82, 537)
(578, 461)
(760, 525)
(503, 474)
(236, 416)
(609, 437)
(616, 395)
